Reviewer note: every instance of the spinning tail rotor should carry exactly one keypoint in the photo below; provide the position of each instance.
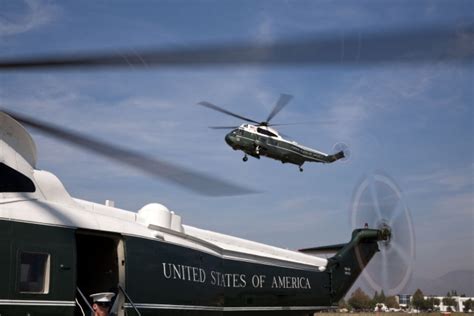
(378, 203)
(342, 147)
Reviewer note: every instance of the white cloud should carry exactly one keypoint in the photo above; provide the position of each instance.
(446, 180)
(350, 116)
(407, 91)
(36, 14)
(265, 29)
(459, 204)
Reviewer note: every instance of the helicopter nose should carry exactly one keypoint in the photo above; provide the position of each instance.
(228, 139)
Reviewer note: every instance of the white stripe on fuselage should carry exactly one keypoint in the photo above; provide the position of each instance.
(286, 149)
(225, 309)
(37, 303)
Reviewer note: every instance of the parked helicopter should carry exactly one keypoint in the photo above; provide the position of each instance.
(55, 250)
(260, 139)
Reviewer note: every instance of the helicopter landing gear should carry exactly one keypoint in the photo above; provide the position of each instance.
(257, 150)
(301, 168)
(245, 158)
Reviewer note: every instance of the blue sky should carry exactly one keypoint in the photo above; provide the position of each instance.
(414, 122)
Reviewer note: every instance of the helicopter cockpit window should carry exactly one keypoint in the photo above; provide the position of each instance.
(34, 272)
(265, 132)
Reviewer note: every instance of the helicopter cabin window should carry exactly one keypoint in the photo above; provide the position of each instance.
(34, 272)
(265, 132)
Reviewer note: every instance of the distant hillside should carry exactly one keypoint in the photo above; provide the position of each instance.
(461, 281)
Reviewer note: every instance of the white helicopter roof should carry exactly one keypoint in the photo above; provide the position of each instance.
(51, 205)
(255, 129)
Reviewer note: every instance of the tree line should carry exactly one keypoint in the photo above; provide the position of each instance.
(419, 302)
(360, 301)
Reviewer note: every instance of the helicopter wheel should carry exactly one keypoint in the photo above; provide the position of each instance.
(301, 169)
(245, 158)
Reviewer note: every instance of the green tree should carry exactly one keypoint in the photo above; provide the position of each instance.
(375, 300)
(359, 300)
(452, 293)
(449, 301)
(468, 305)
(391, 302)
(343, 305)
(382, 297)
(431, 302)
(418, 300)
(378, 299)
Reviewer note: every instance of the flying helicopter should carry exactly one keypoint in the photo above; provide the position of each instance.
(261, 139)
(56, 249)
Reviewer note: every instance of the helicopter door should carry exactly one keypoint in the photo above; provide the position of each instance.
(100, 264)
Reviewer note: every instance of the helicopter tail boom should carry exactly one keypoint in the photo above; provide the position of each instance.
(349, 262)
(336, 156)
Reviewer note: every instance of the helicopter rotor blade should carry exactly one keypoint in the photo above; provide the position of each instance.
(189, 179)
(223, 127)
(328, 122)
(406, 45)
(281, 103)
(219, 109)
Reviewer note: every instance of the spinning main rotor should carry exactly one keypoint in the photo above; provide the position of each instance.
(445, 43)
(281, 103)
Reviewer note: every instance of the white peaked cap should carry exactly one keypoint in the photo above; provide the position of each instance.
(102, 297)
